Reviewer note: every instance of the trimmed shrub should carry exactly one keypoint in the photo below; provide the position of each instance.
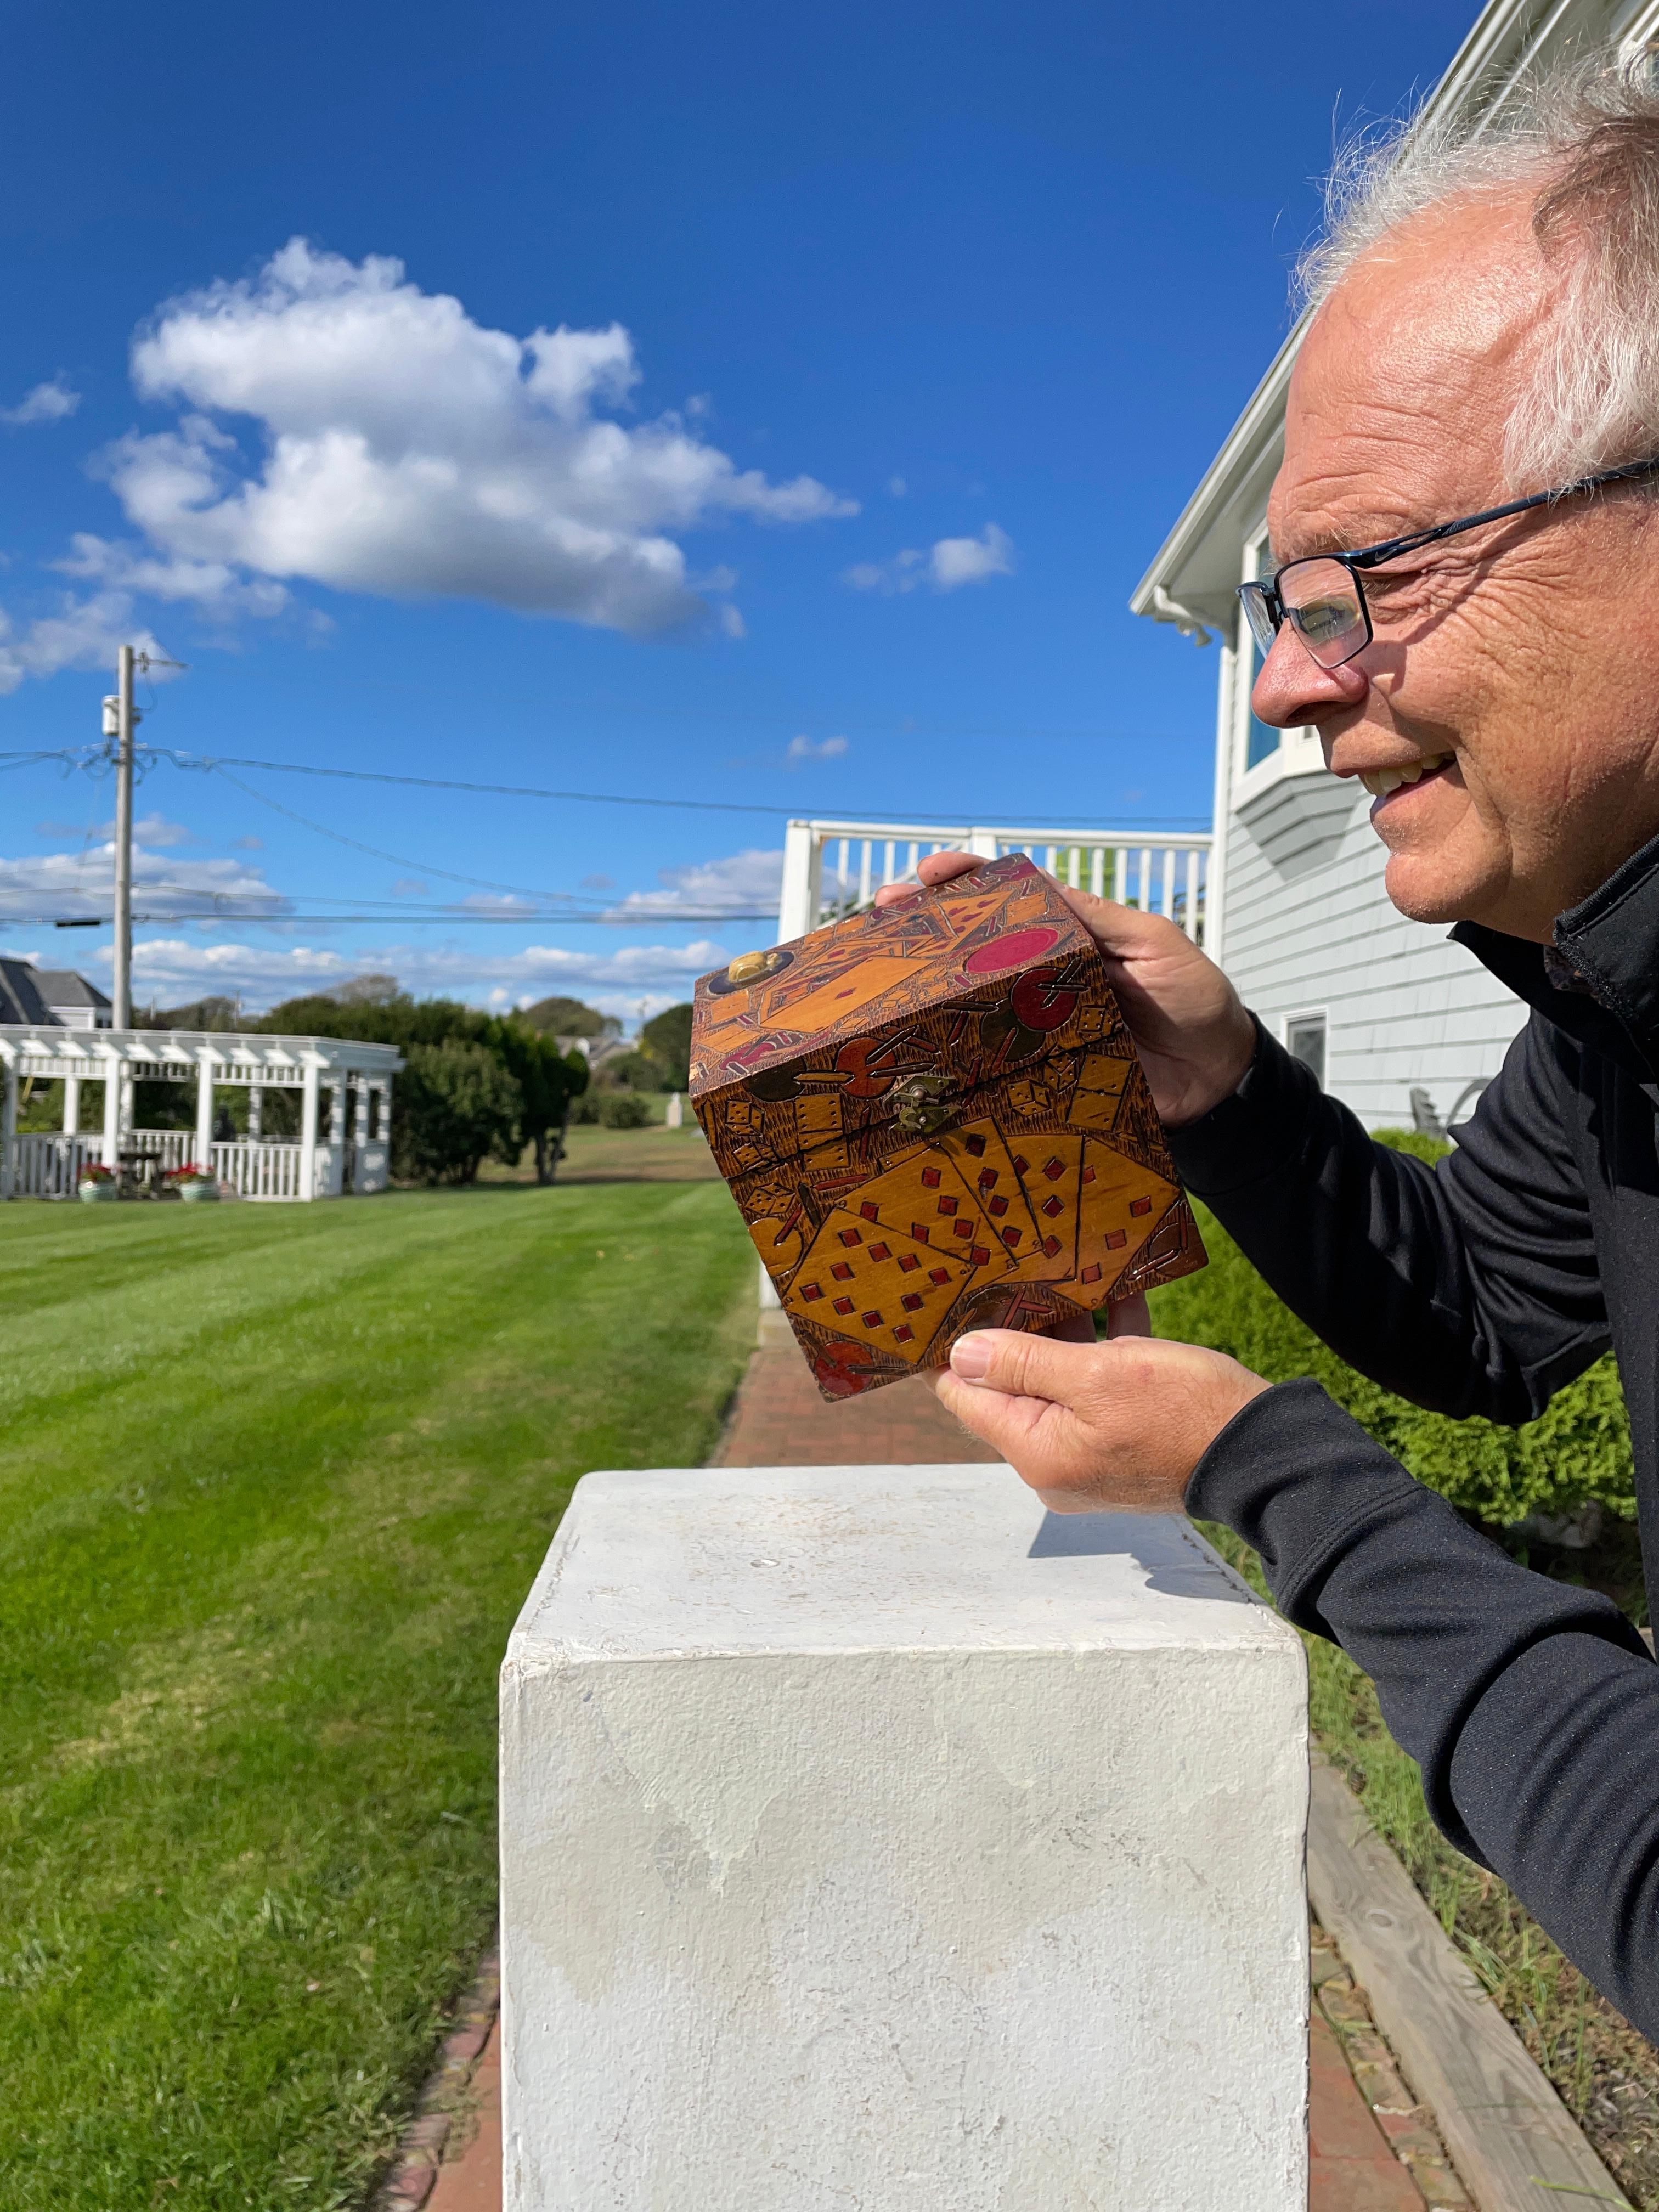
(459, 1104)
(1577, 1453)
(624, 1109)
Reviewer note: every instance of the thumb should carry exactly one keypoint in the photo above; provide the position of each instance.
(1015, 1365)
(1123, 931)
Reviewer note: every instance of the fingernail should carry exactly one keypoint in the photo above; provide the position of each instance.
(970, 1357)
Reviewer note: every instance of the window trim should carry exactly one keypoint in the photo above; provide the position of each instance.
(1296, 1020)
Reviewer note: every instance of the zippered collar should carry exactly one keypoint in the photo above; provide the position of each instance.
(1610, 942)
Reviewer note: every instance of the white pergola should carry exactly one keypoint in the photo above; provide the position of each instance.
(350, 1152)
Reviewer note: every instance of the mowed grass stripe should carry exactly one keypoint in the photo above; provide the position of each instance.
(253, 1593)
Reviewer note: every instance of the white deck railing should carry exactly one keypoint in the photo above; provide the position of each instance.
(48, 1165)
(833, 868)
(256, 1168)
(173, 1147)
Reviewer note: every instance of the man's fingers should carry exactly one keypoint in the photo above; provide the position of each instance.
(1128, 1316)
(938, 868)
(1122, 931)
(1006, 1423)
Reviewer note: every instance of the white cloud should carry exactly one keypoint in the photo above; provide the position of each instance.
(956, 561)
(262, 975)
(807, 748)
(947, 564)
(212, 586)
(83, 633)
(898, 486)
(46, 403)
(75, 884)
(410, 452)
(746, 881)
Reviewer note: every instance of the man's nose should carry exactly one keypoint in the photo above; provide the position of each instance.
(1291, 690)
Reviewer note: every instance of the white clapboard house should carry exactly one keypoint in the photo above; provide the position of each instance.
(1382, 1007)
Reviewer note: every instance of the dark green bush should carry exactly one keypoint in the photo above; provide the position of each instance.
(1579, 1451)
(624, 1109)
(459, 1104)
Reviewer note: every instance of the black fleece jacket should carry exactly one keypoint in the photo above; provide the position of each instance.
(1480, 1286)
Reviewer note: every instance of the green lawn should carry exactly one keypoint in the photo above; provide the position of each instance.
(275, 1480)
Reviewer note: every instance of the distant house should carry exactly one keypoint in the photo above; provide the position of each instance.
(74, 1002)
(20, 998)
(41, 996)
(1393, 1017)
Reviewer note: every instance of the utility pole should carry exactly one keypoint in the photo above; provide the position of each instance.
(124, 718)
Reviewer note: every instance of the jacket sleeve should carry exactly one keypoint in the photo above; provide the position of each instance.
(1472, 1287)
(1532, 1707)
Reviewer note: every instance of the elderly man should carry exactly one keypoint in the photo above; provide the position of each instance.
(1487, 329)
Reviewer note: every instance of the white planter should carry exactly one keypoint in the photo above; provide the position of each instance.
(199, 1194)
(97, 1193)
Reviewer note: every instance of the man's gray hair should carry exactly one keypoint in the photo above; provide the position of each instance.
(1586, 139)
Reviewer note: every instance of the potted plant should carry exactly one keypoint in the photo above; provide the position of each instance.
(95, 1183)
(193, 1184)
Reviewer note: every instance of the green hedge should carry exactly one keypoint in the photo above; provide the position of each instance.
(1579, 1450)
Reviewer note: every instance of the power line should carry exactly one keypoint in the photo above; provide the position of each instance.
(207, 762)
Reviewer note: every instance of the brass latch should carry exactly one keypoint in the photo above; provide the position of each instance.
(922, 1102)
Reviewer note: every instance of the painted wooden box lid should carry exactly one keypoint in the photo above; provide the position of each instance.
(933, 1120)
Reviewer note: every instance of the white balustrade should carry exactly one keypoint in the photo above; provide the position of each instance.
(257, 1169)
(48, 1166)
(835, 868)
(174, 1148)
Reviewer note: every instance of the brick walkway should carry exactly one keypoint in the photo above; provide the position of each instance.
(779, 1420)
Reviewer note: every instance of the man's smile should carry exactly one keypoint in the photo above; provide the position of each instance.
(1380, 782)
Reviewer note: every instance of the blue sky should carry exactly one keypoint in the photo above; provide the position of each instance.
(879, 348)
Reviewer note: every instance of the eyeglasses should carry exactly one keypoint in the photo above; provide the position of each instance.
(1323, 599)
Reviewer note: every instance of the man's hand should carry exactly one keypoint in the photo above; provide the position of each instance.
(1195, 1038)
(1093, 1428)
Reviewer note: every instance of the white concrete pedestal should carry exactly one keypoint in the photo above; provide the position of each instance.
(872, 1842)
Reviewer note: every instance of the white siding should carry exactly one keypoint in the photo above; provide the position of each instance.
(1311, 930)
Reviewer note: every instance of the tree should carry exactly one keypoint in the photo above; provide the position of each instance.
(546, 1080)
(549, 1081)
(568, 1017)
(365, 991)
(202, 1015)
(667, 1037)
(459, 1103)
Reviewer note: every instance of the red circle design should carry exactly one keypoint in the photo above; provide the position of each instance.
(1011, 952)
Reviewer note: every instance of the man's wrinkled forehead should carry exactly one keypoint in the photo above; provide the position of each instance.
(1405, 381)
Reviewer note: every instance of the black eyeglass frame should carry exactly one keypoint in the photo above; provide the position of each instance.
(1264, 592)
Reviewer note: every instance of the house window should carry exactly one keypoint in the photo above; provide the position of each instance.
(1261, 740)
(1304, 1040)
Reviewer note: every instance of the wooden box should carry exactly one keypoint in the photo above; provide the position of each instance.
(932, 1119)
